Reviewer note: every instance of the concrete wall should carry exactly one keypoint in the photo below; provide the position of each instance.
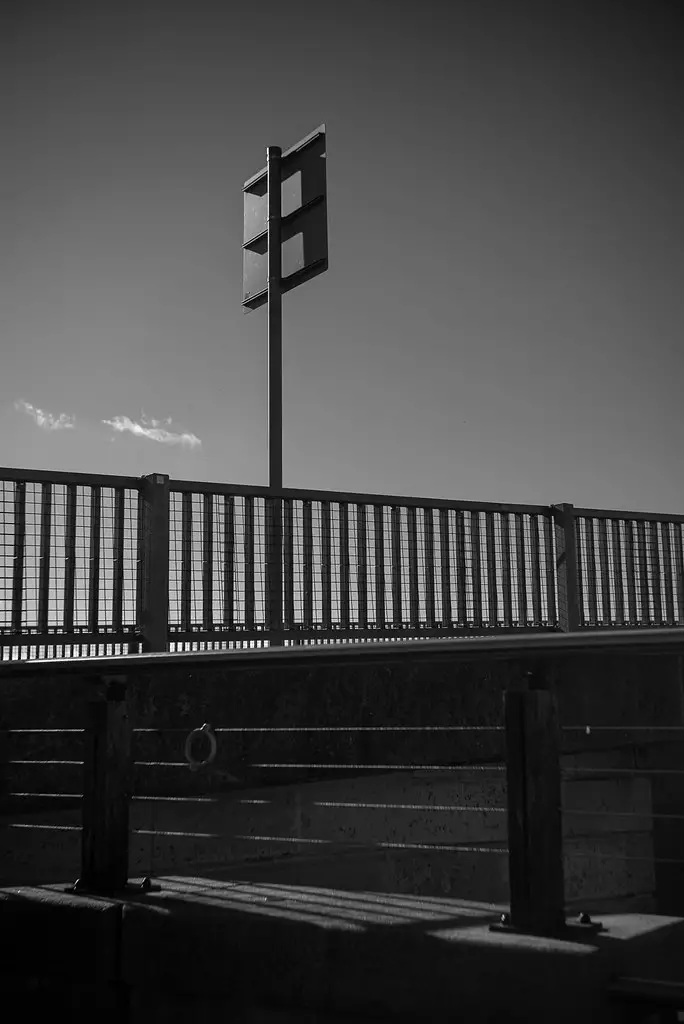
(254, 812)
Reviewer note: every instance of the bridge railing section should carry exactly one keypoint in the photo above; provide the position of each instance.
(630, 568)
(96, 564)
(70, 564)
(354, 566)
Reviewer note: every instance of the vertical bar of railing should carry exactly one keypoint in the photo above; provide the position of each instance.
(429, 538)
(550, 572)
(655, 576)
(535, 576)
(414, 594)
(208, 563)
(19, 553)
(606, 614)
(273, 576)
(326, 566)
(460, 559)
(44, 563)
(475, 559)
(70, 559)
(362, 572)
(590, 553)
(229, 561)
(506, 574)
(582, 606)
(248, 550)
(667, 572)
(617, 574)
(679, 569)
(117, 559)
(395, 546)
(186, 562)
(445, 571)
(288, 564)
(632, 616)
(643, 573)
(94, 561)
(568, 568)
(153, 565)
(492, 589)
(141, 565)
(344, 564)
(521, 569)
(379, 530)
(307, 566)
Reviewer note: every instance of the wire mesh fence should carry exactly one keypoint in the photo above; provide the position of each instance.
(630, 569)
(352, 566)
(69, 564)
(77, 553)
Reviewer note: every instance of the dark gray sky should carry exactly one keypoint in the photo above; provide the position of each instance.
(502, 315)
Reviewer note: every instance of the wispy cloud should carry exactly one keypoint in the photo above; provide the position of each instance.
(43, 419)
(152, 430)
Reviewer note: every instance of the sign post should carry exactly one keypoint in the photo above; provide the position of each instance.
(285, 244)
(275, 324)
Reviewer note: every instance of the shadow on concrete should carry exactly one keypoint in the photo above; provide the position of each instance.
(275, 942)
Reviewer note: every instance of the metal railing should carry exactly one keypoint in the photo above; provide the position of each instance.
(103, 564)
(630, 568)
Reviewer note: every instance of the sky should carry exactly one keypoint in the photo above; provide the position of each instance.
(501, 316)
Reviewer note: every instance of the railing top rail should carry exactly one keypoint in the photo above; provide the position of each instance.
(354, 497)
(12, 474)
(602, 513)
(49, 476)
(530, 646)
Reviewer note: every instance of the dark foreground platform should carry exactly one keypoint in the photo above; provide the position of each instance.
(277, 942)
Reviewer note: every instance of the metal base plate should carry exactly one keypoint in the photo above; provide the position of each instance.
(571, 929)
(80, 889)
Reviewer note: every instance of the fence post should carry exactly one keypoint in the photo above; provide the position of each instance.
(274, 570)
(153, 562)
(535, 834)
(569, 618)
(106, 787)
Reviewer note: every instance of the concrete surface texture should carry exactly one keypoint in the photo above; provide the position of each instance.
(420, 833)
(209, 945)
(358, 890)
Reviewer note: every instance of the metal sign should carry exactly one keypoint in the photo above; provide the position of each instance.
(303, 221)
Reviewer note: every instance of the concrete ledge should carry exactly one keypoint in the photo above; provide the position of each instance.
(275, 937)
(53, 934)
(49, 998)
(410, 958)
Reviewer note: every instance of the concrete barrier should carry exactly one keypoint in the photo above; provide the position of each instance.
(394, 823)
(262, 947)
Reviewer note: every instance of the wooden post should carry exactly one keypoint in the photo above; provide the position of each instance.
(107, 770)
(535, 836)
(153, 567)
(569, 618)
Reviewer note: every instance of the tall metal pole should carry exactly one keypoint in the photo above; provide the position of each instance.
(275, 323)
(274, 557)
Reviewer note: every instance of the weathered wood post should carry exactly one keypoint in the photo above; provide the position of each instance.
(107, 778)
(535, 835)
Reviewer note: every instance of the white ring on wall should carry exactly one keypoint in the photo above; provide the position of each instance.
(207, 731)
